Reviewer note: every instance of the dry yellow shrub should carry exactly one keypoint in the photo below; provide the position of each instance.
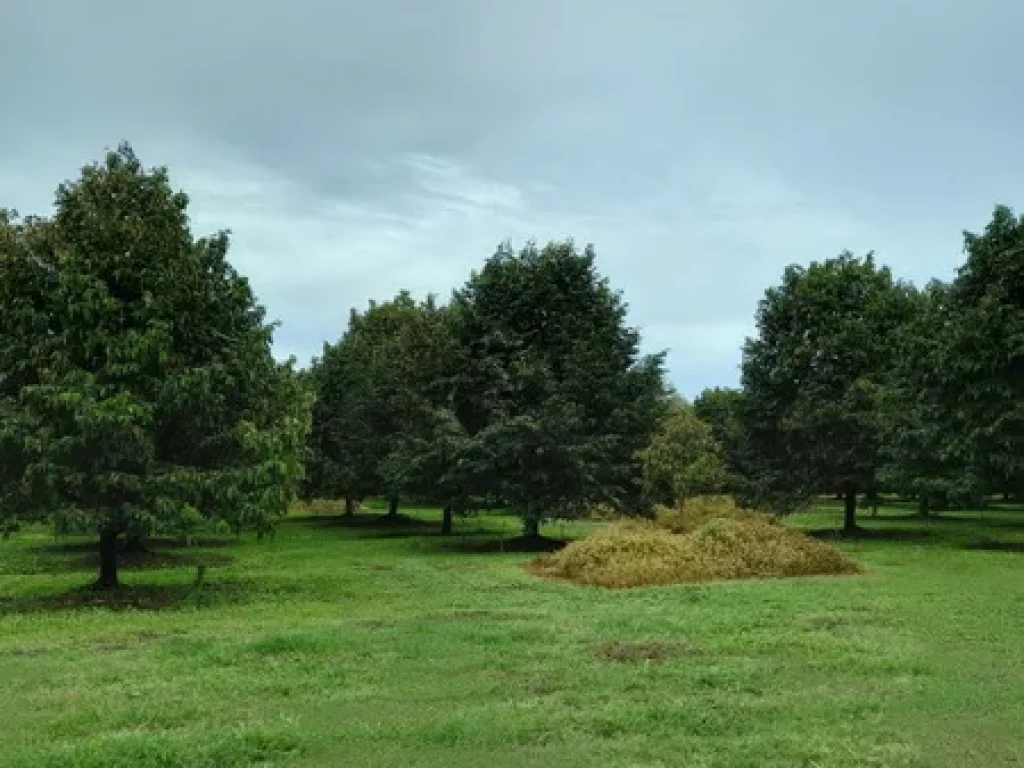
(692, 513)
(636, 554)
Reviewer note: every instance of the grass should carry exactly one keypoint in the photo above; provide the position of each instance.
(352, 644)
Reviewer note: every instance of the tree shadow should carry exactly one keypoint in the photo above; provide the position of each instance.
(873, 534)
(988, 520)
(996, 546)
(75, 558)
(495, 546)
(149, 597)
(72, 547)
(376, 526)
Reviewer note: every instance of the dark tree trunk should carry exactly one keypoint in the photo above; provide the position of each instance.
(531, 528)
(350, 506)
(446, 522)
(393, 507)
(108, 560)
(850, 510)
(924, 509)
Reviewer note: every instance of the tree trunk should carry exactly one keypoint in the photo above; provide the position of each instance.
(393, 507)
(923, 507)
(350, 506)
(850, 510)
(446, 522)
(108, 560)
(531, 528)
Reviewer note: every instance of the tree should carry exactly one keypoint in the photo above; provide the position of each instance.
(343, 454)
(140, 388)
(919, 447)
(683, 459)
(722, 409)
(555, 392)
(980, 381)
(813, 377)
(377, 392)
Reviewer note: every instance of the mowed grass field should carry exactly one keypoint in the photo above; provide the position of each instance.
(353, 644)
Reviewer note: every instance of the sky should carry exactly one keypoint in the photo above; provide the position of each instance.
(359, 148)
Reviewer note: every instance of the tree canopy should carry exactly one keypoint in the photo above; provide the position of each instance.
(683, 458)
(556, 390)
(813, 377)
(139, 388)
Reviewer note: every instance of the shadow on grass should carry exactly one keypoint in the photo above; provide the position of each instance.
(55, 559)
(151, 597)
(988, 520)
(874, 534)
(71, 547)
(996, 546)
(368, 522)
(494, 546)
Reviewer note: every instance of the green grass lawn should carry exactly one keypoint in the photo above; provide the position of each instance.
(337, 645)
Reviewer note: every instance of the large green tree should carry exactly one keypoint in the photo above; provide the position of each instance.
(980, 382)
(139, 389)
(555, 390)
(381, 393)
(344, 450)
(813, 377)
(722, 409)
(919, 441)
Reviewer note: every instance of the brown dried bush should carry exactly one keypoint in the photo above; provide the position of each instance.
(690, 514)
(637, 554)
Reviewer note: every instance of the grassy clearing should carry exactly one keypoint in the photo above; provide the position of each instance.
(344, 643)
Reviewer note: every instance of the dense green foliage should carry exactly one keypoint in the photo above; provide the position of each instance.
(683, 458)
(556, 391)
(528, 389)
(139, 391)
(813, 378)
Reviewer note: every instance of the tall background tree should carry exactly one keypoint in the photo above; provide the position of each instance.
(920, 459)
(980, 382)
(813, 378)
(556, 391)
(721, 408)
(379, 390)
(683, 458)
(139, 390)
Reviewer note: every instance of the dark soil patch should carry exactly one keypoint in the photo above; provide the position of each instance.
(827, 623)
(622, 651)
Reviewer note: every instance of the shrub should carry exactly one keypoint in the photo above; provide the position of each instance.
(636, 554)
(692, 513)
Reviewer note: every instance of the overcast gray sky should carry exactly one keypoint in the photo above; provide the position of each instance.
(357, 148)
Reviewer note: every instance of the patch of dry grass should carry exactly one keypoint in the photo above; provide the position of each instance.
(637, 554)
(692, 513)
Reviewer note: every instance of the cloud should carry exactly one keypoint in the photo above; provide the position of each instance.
(355, 149)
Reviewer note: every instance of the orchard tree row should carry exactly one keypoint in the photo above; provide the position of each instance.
(527, 391)
(139, 393)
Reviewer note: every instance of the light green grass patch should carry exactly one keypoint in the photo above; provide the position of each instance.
(367, 646)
